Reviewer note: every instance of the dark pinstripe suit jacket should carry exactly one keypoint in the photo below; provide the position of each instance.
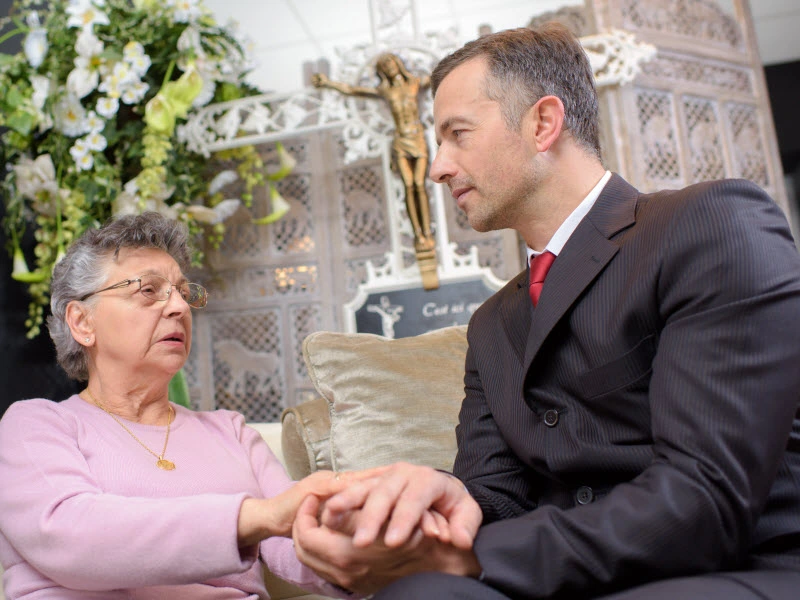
(641, 422)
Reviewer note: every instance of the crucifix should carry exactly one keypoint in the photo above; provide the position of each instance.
(400, 89)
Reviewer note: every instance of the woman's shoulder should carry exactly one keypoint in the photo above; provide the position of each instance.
(36, 413)
(222, 420)
(22, 409)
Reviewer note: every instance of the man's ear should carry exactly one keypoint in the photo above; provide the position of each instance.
(545, 122)
(79, 321)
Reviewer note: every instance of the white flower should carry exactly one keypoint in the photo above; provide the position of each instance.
(279, 208)
(114, 82)
(94, 123)
(36, 181)
(183, 135)
(171, 212)
(88, 45)
(81, 82)
(84, 14)
(189, 40)
(286, 163)
(216, 214)
(70, 116)
(237, 61)
(185, 11)
(84, 77)
(247, 44)
(35, 176)
(82, 154)
(41, 89)
(222, 179)
(134, 55)
(216, 60)
(133, 93)
(79, 149)
(206, 94)
(128, 202)
(21, 269)
(35, 46)
(95, 141)
(85, 162)
(107, 107)
(132, 49)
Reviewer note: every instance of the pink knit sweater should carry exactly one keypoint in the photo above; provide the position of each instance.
(85, 512)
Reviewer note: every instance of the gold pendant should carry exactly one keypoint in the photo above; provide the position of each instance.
(165, 464)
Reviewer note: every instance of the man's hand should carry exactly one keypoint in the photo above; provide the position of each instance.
(260, 518)
(402, 499)
(365, 569)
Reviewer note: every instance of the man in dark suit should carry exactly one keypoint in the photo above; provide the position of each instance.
(630, 428)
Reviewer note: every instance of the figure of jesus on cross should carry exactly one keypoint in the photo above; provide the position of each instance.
(400, 89)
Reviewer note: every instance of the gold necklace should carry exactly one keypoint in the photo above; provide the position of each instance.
(162, 462)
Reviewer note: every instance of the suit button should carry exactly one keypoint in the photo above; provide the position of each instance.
(551, 417)
(584, 495)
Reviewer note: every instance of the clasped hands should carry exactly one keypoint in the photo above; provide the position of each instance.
(386, 523)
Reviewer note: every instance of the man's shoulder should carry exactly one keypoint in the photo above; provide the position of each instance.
(716, 199)
(709, 191)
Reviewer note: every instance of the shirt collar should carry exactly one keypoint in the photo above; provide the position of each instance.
(570, 224)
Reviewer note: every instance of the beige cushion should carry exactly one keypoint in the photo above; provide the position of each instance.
(305, 438)
(389, 399)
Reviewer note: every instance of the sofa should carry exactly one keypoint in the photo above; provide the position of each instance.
(379, 401)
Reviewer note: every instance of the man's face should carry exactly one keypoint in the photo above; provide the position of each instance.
(490, 169)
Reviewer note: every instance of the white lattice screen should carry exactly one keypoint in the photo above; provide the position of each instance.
(270, 286)
(699, 108)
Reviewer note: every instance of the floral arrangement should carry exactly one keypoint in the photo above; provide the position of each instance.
(94, 111)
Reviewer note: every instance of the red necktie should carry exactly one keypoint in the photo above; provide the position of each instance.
(540, 265)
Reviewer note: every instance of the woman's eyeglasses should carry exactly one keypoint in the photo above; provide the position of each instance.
(160, 288)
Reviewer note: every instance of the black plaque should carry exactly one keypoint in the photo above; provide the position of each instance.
(412, 311)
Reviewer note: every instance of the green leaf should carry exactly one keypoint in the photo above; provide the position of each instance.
(14, 97)
(179, 390)
(111, 54)
(21, 122)
(228, 91)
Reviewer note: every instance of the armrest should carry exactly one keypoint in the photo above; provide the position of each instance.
(305, 438)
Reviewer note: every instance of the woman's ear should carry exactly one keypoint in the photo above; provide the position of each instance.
(79, 320)
(545, 122)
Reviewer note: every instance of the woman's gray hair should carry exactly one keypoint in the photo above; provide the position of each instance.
(84, 270)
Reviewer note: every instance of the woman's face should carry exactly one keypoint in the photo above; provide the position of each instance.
(138, 334)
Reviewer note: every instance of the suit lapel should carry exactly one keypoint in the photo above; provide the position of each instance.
(586, 253)
(515, 314)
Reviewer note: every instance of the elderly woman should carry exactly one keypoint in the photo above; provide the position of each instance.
(116, 492)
